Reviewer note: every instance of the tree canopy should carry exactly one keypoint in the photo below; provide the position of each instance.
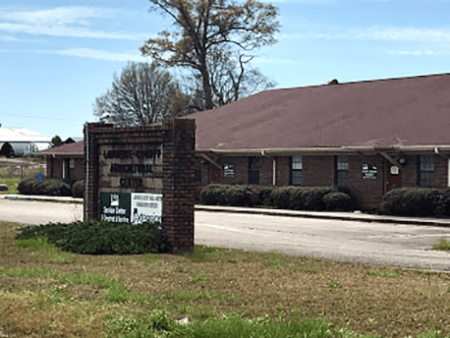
(143, 93)
(214, 38)
(56, 141)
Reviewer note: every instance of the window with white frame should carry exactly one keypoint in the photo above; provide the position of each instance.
(425, 171)
(296, 177)
(341, 170)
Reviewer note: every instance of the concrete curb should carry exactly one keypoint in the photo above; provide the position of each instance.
(43, 199)
(356, 217)
(326, 215)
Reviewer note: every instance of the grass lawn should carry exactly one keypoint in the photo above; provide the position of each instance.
(45, 292)
(12, 183)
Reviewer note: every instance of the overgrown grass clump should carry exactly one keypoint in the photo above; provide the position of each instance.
(442, 245)
(101, 238)
(232, 325)
(288, 197)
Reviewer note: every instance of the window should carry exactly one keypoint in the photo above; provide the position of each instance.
(341, 170)
(254, 165)
(296, 177)
(425, 171)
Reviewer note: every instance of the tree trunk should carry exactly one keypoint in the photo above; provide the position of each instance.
(207, 90)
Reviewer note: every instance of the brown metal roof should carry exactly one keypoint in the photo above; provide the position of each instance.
(76, 148)
(411, 111)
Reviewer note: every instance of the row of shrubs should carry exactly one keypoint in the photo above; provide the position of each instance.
(416, 202)
(401, 202)
(50, 187)
(290, 197)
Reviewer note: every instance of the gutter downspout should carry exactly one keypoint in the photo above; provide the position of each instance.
(274, 167)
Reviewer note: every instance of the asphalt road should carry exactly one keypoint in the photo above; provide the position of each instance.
(348, 241)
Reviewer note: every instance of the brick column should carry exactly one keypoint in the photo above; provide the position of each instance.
(91, 198)
(178, 183)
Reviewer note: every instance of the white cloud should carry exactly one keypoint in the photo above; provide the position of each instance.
(375, 33)
(89, 53)
(59, 16)
(418, 52)
(76, 32)
(63, 21)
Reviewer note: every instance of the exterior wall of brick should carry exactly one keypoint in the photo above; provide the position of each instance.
(282, 170)
(318, 171)
(79, 170)
(202, 175)
(410, 171)
(441, 172)
(266, 172)
(55, 168)
(241, 169)
(175, 180)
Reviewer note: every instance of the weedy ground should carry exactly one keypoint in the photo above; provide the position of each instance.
(45, 292)
(12, 183)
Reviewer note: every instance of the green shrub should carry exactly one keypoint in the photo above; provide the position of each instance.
(287, 197)
(281, 197)
(411, 202)
(236, 196)
(49, 187)
(207, 195)
(26, 186)
(337, 201)
(313, 198)
(223, 194)
(443, 207)
(78, 189)
(101, 238)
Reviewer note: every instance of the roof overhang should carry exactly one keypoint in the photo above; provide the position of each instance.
(59, 154)
(351, 150)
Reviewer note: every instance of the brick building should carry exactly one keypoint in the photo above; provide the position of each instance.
(66, 162)
(370, 136)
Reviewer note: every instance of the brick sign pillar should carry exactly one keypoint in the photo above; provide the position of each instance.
(140, 163)
(178, 183)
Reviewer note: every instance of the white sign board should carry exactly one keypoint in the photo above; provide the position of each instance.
(146, 208)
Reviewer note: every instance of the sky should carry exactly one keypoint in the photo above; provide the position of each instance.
(58, 56)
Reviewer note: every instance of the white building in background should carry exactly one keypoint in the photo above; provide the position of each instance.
(20, 142)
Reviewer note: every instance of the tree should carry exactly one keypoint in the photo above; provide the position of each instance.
(141, 95)
(56, 141)
(212, 35)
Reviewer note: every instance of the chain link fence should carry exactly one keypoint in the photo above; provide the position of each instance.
(13, 172)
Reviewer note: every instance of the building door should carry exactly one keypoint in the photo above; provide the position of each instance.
(393, 176)
(216, 174)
